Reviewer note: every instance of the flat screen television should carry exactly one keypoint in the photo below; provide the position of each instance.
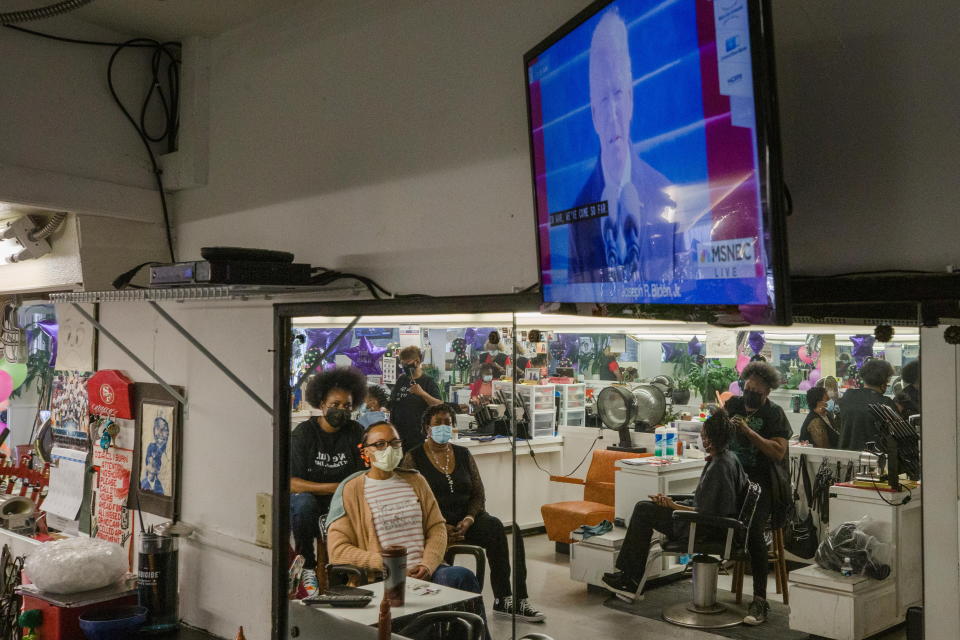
(656, 164)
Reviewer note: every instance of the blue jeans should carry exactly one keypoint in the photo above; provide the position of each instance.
(456, 577)
(305, 512)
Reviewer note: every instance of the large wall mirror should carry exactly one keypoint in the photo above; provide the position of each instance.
(503, 457)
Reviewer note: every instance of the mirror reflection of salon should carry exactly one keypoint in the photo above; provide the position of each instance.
(609, 366)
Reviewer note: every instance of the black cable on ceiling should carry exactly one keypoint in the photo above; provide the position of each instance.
(164, 89)
(170, 104)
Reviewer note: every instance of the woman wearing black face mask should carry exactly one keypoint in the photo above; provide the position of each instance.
(760, 443)
(323, 452)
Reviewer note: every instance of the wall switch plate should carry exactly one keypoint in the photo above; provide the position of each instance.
(264, 520)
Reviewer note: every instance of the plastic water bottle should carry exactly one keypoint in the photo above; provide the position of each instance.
(846, 569)
(659, 440)
(671, 435)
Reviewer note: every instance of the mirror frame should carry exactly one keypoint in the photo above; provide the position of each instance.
(283, 314)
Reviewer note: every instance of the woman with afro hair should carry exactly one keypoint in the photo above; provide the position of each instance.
(324, 450)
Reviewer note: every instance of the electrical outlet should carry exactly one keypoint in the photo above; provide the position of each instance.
(264, 520)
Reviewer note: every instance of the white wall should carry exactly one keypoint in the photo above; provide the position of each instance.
(940, 364)
(60, 120)
(227, 449)
(381, 137)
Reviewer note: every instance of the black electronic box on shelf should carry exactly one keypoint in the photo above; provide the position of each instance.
(233, 265)
(229, 272)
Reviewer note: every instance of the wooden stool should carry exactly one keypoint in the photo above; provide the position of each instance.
(779, 560)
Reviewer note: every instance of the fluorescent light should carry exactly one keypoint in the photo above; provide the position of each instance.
(8, 248)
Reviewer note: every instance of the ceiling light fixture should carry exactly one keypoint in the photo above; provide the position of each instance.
(23, 239)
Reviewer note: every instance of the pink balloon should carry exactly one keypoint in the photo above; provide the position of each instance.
(804, 355)
(6, 385)
(742, 361)
(814, 376)
(805, 385)
(734, 388)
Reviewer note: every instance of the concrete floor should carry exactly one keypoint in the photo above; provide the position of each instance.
(574, 614)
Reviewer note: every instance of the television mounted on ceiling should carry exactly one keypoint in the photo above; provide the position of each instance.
(654, 146)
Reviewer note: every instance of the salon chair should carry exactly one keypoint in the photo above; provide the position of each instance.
(348, 574)
(560, 518)
(704, 612)
(442, 624)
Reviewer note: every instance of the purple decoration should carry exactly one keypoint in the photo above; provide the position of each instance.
(756, 340)
(477, 337)
(571, 345)
(668, 350)
(319, 340)
(366, 356)
(862, 348)
(52, 329)
(694, 348)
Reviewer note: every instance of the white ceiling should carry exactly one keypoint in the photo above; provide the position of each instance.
(173, 19)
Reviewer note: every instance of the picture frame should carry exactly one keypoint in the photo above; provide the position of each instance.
(155, 477)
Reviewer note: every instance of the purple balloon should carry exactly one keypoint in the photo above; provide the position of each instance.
(805, 385)
(862, 348)
(734, 388)
(756, 340)
(668, 351)
(814, 376)
(366, 356)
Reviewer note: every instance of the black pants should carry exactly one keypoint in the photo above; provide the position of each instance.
(756, 541)
(488, 532)
(306, 510)
(647, 517)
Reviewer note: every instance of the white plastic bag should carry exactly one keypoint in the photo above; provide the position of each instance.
(76, 564)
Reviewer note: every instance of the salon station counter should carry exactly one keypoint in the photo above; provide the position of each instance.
(493, 459)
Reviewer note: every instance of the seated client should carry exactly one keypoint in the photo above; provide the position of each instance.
(453, 476)
(323, 452)
(386, 506)
(719, 492)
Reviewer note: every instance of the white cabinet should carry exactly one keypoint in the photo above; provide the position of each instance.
(825, 603)
(636, 482)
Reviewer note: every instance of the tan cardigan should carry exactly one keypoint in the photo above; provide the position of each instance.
(352, 539)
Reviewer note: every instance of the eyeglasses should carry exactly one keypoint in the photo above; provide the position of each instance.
(380, 445)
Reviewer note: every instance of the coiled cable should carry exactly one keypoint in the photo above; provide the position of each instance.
(41, 13)
(48, 229)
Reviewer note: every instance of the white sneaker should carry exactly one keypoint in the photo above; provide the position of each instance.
(308, 579)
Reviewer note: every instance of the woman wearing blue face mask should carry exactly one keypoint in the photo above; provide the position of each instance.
(373, 406)
(453, 477)
(818, 428)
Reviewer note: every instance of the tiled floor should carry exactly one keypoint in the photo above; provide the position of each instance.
(574, 614)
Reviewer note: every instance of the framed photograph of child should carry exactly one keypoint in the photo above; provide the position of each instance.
(155, 480)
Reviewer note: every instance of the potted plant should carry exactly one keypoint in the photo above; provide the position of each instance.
(682, 366)
(711, 378)
(681, 391)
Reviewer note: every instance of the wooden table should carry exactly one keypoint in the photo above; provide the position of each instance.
(446, 599)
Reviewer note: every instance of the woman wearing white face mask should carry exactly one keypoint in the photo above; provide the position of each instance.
(386, 506)
(455, 481)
